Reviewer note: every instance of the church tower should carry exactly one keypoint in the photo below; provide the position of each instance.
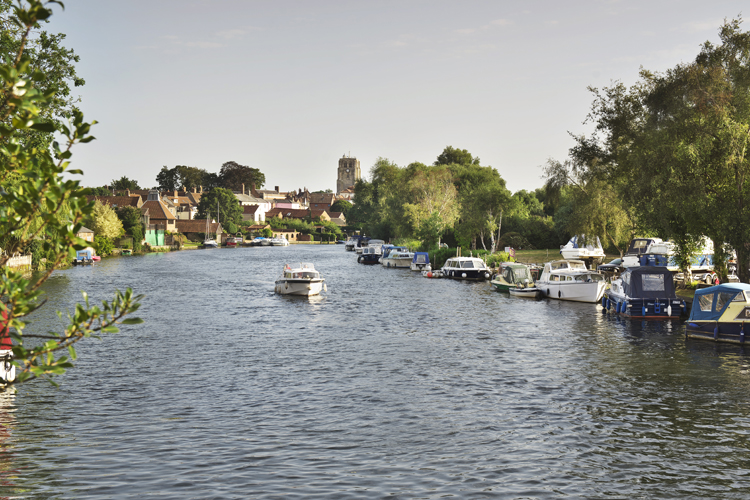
(349, 173)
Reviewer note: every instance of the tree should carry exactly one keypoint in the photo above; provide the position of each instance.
(50, 66)
(100, 191)
(39, 200)
(433, 204)
(104, 221)
(676, 145)
(233, 175)
(168, 179)
(130, 217)
(223, 200)
(124, 183)
(342, 206)
(451, 156)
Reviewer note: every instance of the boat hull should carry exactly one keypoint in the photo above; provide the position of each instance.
(400, 263)
(659, 308)
(298, 287)
(530, 293)
(732, 332)
(574, 291)
(467, 274)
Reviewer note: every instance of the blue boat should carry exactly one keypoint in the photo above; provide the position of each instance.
(721, 313)
(84, 257)
(644, 293)
(369, 255)
(421, 262)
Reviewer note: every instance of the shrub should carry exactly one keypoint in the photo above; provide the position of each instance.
(103, 246)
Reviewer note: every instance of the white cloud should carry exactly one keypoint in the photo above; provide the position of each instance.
(501, 22)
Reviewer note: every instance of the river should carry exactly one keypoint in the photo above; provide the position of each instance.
(388, 385)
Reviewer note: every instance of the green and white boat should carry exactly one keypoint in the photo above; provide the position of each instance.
(513, 275)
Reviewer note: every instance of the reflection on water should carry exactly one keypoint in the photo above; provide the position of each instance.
(389, 384)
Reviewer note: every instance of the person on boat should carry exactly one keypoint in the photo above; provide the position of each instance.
(7, 370)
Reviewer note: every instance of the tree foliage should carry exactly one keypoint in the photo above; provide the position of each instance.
(220, 204)
(39, 200)
(233, 176)
(104, 221)
(124, 183)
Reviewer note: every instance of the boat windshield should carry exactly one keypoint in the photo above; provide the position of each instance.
(467, 265)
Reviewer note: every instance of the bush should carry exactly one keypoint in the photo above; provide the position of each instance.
(103, 246)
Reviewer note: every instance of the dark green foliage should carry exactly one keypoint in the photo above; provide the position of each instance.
(233, 176)
(130, 218)
(451, 156)
(342, 206)
(103, 246)
(267, 232)
(100, 191)
(124, 183)
(223, 200)
(230, 227)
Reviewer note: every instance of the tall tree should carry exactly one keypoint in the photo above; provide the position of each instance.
(451, 155)
(233, 176)
(220, 204)
(432, 204)
(124, 183)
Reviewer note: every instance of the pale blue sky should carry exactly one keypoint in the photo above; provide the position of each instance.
(290, 86)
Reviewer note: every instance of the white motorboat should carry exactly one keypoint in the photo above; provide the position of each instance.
(581, 248)
(570, 280)
(299, 279)
(397, 257)
(656, 252)
(279, 241)
(529, 291)
(465, 268)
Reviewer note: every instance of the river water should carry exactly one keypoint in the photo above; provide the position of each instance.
(388, 385)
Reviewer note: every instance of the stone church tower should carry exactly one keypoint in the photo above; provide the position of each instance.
(349, 173)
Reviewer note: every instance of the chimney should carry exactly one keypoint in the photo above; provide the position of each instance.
(128, 191)
(243, 188)
(195, 189)
(175, 193)
(201, 189)
(277, 188)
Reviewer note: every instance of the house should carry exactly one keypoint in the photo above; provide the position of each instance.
(347, 194)
(322, 201)
(86, 234)
(338, 218)
(290, 213)
(248, 200)
(195, 229)
(160, 219)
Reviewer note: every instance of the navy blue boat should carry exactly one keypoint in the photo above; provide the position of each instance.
(721, 313)
(644, 293)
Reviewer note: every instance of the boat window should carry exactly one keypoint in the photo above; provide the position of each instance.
(723, 299)
(309, 275)
(420, 259)
(468, 265)
(706, 301)
(581, 277)
(740, 297)
(652, 282)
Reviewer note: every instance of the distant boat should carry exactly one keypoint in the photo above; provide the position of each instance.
(581, 248)
(421, 262)
(209, 242)
(511, 276)
(369, 255)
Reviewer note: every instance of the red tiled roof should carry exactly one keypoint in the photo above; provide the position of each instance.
(117, 201)
(249, 209)
(158, 210)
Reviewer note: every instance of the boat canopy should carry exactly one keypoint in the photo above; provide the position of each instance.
(421, 258)
(709, 303)
(84, 254)
(516, 273)
(580, 241)
(649, 282)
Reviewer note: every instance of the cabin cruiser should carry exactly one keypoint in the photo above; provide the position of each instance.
(299, 279)
(644, 292)
(465, 268)
(656, 252)
(352, 242)
(397, 257)
(421, 262)
(279, 241)
(581, 248)
(369, 255)
(720, 313)
(571, 280)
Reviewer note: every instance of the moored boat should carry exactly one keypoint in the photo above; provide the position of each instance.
(570, 280)
(721, 313)
(369, 255)
(511, 276)
(397, 257)
(299, 279)
(465, 268)
(645, 293)
(421, 262)
(581, 248)
(530, 291)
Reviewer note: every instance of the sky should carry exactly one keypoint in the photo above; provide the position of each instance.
(289, 87)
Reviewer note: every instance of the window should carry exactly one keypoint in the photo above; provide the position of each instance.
(706, 301)
(723, 299)
(652, 282)
(468, 265)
